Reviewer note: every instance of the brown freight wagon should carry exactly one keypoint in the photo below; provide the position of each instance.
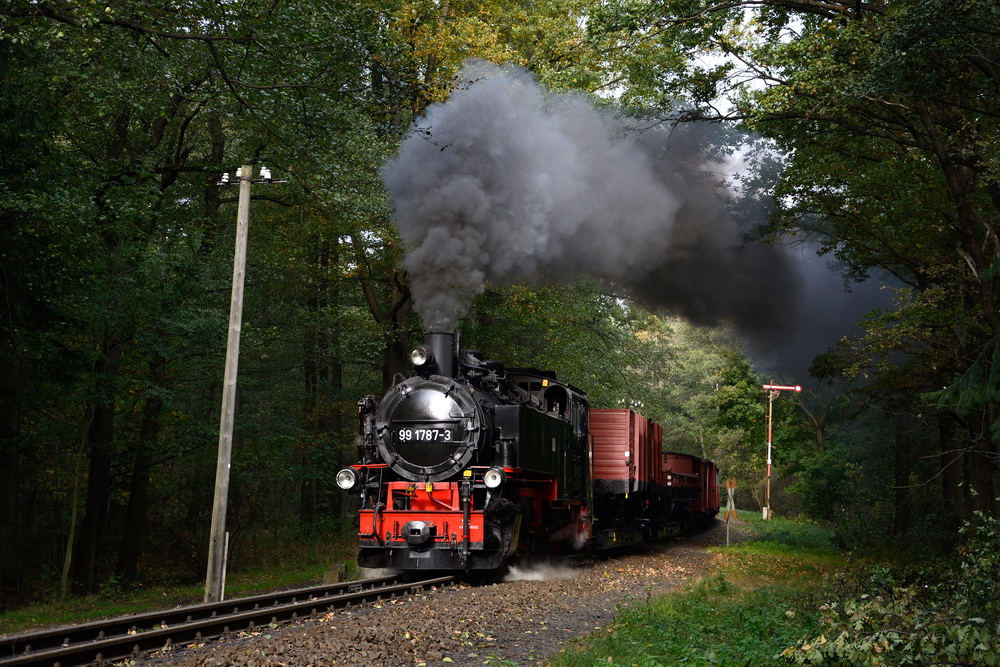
(694, 482)
(625, 449)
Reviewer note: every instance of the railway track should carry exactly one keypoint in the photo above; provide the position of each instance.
(103, 642)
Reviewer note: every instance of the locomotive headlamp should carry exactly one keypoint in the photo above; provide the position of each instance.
(347, 479)
(420, 355)
(494, 477)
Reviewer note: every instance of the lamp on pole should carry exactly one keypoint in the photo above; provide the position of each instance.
(215, 580)
(772, 392)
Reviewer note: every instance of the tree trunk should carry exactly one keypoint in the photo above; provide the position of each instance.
(100, 436)
(332, 495)
(394, 366)
(395, 321)
(312, 367)
(951, 457)
(10, 543)
(138, 498)
(74, 514)
(980, 469)
(324, 382)
(901, 450)
(396, 353)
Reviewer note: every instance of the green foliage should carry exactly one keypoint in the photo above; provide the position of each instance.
(797, 534)
(581, 332)
(116, 246)
(979, 386)
(649, 62)
(897, 632)
(872, 108)
(980, 568)
(117, 262)
(741, 408)
(949, 617)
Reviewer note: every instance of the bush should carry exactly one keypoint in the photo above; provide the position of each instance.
(798, 534)
(954, 619)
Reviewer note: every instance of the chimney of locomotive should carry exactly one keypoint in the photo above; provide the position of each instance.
(442, 344)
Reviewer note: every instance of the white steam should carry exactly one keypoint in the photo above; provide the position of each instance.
(540, 572)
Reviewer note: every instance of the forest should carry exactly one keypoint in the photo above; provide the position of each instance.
(856, 142)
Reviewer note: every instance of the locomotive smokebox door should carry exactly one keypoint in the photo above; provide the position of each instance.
(428, 429)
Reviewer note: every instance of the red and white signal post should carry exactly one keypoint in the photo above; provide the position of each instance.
(772, 392)
(730, 505)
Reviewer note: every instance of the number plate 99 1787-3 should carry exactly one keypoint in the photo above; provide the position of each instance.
(425, 434)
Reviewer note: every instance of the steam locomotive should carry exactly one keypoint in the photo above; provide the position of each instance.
(467, 464)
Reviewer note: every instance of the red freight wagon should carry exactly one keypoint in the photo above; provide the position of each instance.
(680, 475)
(625, 448)
(614, 450)
(695, 480)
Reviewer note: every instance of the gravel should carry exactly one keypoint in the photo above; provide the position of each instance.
(517, 622)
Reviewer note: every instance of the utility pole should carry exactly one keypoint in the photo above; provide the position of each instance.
(772, 392)
(218, 546)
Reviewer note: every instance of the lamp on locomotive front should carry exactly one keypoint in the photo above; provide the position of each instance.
(420, 356)
(494, 477)
(436, 355)
(347, 479)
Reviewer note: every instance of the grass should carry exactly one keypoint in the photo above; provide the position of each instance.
(760, 600)
(301, 564)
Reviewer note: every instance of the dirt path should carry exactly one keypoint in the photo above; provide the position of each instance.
(517, 622)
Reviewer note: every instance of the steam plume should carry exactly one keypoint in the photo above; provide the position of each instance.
(506, 180)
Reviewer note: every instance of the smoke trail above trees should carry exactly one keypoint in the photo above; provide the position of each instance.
(507, 181)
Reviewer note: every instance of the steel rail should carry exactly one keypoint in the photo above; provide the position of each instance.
(134, 636)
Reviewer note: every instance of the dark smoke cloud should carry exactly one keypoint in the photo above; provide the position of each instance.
(505, 181)
(828, 311)
(708, 274)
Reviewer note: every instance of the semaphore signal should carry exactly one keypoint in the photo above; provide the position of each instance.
(781, 387)
(772, 392)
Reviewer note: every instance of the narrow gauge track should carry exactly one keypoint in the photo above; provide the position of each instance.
(134, 636)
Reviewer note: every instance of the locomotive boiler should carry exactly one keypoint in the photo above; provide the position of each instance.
(467, 463)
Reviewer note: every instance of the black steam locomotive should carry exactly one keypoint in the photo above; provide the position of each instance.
(467, 463)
